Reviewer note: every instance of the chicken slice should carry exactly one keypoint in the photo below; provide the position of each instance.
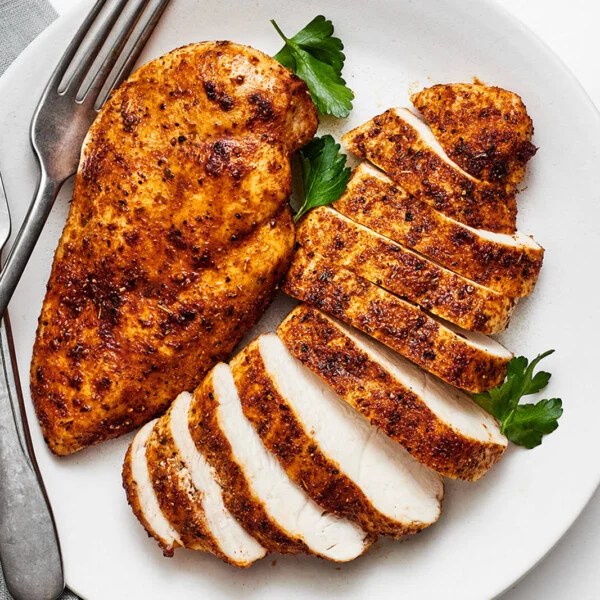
(348, 466)
(438, 424)
(256, 489)
(464, 359)
(405, 148)
(176, 237)
(484, 129)
(189, 496)
(378, 259)
(141, 495)
(508, 264)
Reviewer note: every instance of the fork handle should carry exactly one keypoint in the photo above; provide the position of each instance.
(29, 548)
(27, 238)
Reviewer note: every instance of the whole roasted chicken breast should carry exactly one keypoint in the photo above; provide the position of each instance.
(176, 238)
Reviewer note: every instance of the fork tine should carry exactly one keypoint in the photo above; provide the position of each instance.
(146, 26)
(70, 52)
(126, 28)
(92, 46)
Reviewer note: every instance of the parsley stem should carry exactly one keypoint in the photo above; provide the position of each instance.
(506, 421)
(282, 35)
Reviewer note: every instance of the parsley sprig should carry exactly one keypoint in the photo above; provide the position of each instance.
(523, 424)
(324, 173)
(317, 58)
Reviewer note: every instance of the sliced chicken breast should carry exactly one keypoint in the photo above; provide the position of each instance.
(378, 259)
(188, 494)
(483, 128)
(256, 489)
(509, 264)
(468, 360)
(348, 466)
(438, 424)
(141, 495)
(405, 148)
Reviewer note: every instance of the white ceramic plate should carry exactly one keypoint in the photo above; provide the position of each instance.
(491, 532)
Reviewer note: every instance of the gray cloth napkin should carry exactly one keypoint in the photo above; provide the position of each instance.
(20, 22)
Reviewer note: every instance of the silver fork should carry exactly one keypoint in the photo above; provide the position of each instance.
(63, 116)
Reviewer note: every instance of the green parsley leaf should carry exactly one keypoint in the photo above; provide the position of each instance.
(523, 424)
(324, 173)
(328, 91)
(531, 422)
(317, 58)
(286, 58)
(317, 38)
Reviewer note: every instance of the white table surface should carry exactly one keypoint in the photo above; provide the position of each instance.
(571, 30)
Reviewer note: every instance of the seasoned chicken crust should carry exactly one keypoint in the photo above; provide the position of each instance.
(507, 264)
(484, 129)
(396, 142)
(378, 259)
(175, 240)
(179, 501)
(398, 324)
(321, 344)
(132, 490)
(238, 495)
(196, 514)
(283, 434)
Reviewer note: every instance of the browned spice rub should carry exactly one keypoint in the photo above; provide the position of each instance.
(131, 490)
(284, 436)
(484, 129)
(374, 201)
(393, 144)
(175, 240)
(378, 259)
(179, 501)
(238, 496)
(398, 324)
(321, 345)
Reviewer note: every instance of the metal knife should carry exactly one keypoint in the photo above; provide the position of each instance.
(29, 547)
